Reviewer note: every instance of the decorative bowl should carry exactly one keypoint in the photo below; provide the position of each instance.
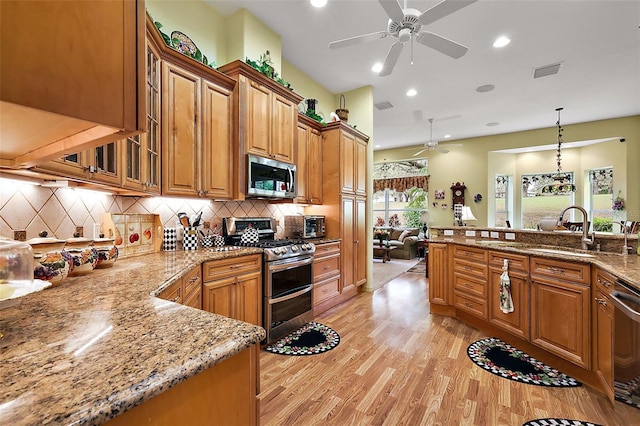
(548, 223)
(107, 252)
(50, 261)
(83, 255)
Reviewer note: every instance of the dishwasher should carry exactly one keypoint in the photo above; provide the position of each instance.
(626, 365)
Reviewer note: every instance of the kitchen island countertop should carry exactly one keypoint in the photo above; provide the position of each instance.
(96, 345)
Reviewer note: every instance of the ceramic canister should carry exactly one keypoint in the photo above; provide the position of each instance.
(190, 238)
(51, 262)
(169, 239)
(107, 252)
(83, 255)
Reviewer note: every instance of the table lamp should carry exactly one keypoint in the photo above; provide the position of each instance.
(467, 215)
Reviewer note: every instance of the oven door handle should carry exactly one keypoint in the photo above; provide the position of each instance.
(619, 298)
(288, 264)
(292, 295)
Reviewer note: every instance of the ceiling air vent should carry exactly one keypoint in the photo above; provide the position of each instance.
(546, 70)
(383, 105)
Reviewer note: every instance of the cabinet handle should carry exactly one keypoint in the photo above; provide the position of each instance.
(235, 266)
(468, 268)
(601, 301)
(326, 267)
(467, 285)
(604, 283)
(194, 279)
(555, 270)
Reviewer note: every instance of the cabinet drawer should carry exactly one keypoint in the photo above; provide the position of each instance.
(173, 293)
(469, 285)
(326, 267)
(470, 268)
(575, 272)
(192, 282)
(470, 304)
(516, 261)
(194, 300)
(470, 253)
(327, 249)
(604, 281)
(216, 269)
(325, 290)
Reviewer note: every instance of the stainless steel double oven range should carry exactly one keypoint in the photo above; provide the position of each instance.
(287, 274)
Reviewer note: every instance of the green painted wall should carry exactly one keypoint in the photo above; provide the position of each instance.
(476, 165)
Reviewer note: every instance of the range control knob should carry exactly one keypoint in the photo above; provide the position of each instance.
(294, 248)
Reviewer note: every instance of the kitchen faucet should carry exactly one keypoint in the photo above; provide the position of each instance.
(625, 248)
(587, 240)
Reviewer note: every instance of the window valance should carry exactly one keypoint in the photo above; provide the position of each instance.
(401, 184)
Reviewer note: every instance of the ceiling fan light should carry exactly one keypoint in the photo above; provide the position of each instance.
(447, 136)
(318, 3)
(501, 41)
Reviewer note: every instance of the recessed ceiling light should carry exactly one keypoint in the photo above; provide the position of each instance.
(377, 67)
(501, 41)
(412, 92)
(485, 88)
(377, 146)
(493, 124)
(318, 3)
(447, 136)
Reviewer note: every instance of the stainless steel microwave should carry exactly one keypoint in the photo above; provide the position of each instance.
(302, 226)
(267, 178)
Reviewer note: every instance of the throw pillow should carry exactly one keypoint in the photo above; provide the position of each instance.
(395, 234)
(404, 235)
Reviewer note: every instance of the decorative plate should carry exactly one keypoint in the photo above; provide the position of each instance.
(183, 43)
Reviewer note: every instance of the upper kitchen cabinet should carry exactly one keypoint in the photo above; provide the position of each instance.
(267, 116)
(308, 163)
(73, 77)
(197, 128)
(351, 156)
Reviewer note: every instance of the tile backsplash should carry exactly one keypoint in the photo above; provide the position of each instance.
(60, 210)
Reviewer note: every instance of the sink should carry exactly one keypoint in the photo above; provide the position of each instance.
(563, 252)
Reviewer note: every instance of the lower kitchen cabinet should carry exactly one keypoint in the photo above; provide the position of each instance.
(326, 276)
(470, 280)
(516, 322)
(603, 330)
(228, 391)
(187, 290)
(233, 288)
(560, 309)
(438, 274)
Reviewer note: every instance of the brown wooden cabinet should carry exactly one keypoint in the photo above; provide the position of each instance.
(560, 309)
(187, 290)
(196, 134)
(439, 287)
(308, 162)
(470, 280)
(344, 211)
(516, 322)
(266, 116)
(326, 275)
(233, 288)
(57, 100)
(351, 147)
(603, 330)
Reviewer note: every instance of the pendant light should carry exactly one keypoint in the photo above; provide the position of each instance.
(561, 181)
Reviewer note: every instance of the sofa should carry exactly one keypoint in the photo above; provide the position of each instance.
(406, 243)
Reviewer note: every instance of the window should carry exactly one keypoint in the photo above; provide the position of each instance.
(502, 201)
(545, 195)
(601, 194)
(401, 206)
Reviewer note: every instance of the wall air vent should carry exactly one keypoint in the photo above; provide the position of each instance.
(383, 105)
(546, 70)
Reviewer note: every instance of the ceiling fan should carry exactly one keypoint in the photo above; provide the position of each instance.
(405, 24)
(433, 145)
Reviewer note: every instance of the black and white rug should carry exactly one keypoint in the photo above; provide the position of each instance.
(629, 392)
(504, 360)
(311, 339)
(558, 422)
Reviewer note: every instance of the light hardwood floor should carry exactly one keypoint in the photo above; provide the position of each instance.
(398, 365)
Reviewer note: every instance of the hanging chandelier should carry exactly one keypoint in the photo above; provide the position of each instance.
(562, 182)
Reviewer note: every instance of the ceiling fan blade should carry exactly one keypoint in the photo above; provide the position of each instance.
(442, 150)
(392, 58)
(443, 9)
(393, 9)
(357, 40)
(442, 45)
(420, 152)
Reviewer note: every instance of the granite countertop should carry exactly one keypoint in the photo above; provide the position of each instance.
(95, 346)
(625, 267)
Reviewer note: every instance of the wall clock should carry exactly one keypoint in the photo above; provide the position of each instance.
(458, 192)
